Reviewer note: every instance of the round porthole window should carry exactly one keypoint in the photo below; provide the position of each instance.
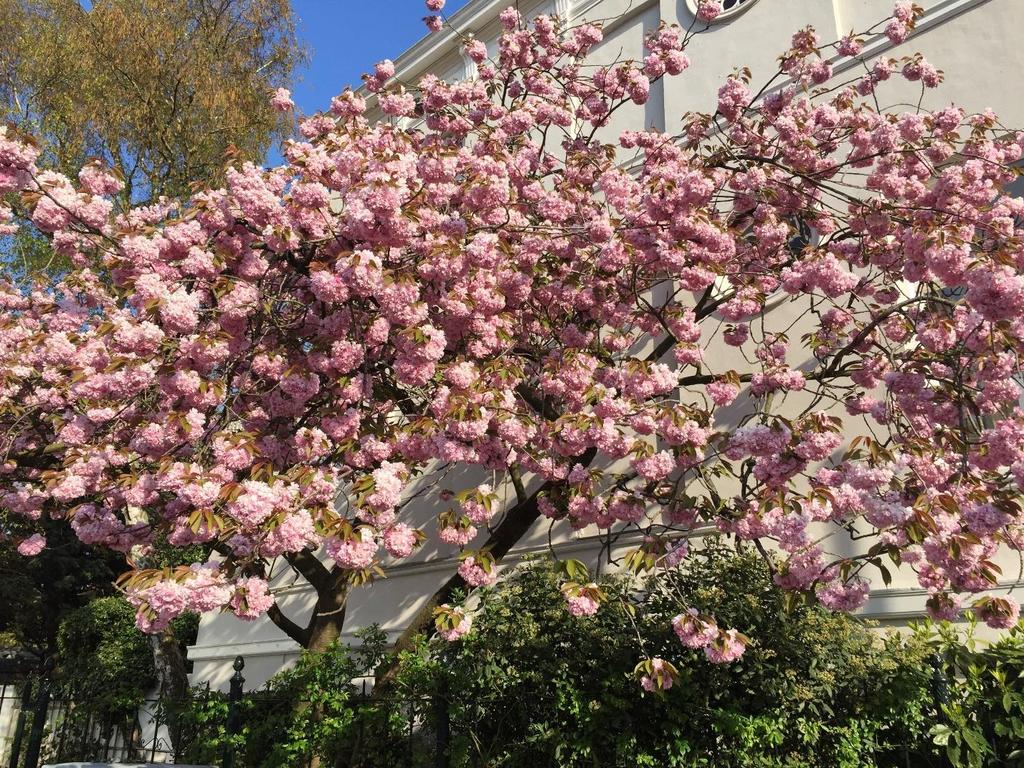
(730, 8)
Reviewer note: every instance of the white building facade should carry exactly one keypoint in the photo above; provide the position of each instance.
(976, 43)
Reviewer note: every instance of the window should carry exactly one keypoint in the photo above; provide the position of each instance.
(730, 8)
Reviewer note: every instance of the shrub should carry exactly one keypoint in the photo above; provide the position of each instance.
(105, 671)
(103, 659)
(532, 685)
(315, 708)
(982, 722)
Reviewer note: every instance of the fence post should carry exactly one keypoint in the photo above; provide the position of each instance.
(35, 736)
(443, 726)
(19, 726)
(940, 683)
(234, 698)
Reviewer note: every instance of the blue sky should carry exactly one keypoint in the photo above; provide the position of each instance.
(346, 38)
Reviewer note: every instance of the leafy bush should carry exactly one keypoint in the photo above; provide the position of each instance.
(104, 661)
(105, 671)
(982, 721)
(312, 709)
(532, 685)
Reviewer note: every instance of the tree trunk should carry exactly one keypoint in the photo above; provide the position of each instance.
(325, 627)
(328, 619)
(174, 684)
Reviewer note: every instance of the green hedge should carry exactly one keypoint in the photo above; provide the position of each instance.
(533, 686)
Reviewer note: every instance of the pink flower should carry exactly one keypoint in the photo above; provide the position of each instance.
(252, 598)
(509, 18)
(256, 502)
(398, 104)
(844, 596)
(677, 554)
(476, 50)
(355, 553)
(849, 45)
(583, 600)
(581, 605)
(722, 392)
(384, 70)
(657, 675)
(452, 623)
(737, 335)
(400, 540)
(694, 630)
(728, 646)
(655, 467)
(435, 5)
(159, 604)
(97, 180)
(457, 536)
(477, 572)
(817, 446)
(943, 606)
(32, 546)
(903, 11)
(388, 483)
(293, 534)
(897, 31)
(708, 10)
(434, 23)
(998, 612)
(282, 100)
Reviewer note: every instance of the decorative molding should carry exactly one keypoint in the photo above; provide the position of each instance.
(904, 603)
(940, 13)
(563, 9)
(251, 649)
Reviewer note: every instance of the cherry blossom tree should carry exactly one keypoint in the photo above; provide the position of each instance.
(287, 366)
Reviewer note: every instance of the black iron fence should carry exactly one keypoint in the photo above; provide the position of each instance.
(40, 724)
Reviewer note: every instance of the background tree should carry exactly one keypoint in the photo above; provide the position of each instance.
(36, 593)
(160, 91)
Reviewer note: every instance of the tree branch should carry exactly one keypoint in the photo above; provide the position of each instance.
(516, 524)
(312, 570)
(289, 627)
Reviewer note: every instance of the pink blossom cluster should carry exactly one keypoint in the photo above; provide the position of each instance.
(199, 588)
(452, 622)
(582, 599)
(355, 552)
(697, 631)
(282, 100)
(658, 675)
(477, 569)
(32, 546)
